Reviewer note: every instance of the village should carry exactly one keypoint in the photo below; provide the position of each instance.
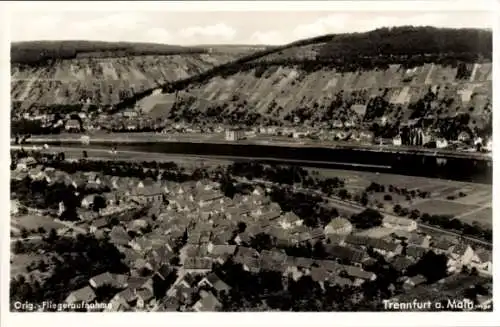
(177, 238)
(413, 133)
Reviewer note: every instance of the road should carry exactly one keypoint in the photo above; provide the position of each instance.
(353, 206)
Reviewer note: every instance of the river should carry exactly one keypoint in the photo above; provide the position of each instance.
(460, 169)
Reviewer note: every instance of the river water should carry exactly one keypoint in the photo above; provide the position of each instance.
(460, 169)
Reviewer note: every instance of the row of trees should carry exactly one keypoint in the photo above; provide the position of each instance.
(38, 53)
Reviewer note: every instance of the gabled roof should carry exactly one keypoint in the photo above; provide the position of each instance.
(85, 294)
(145, 294)
(319, 274)
(208, 302)
(415, 251)
(401, 263)
(197, 263)
(484, 255)
(100, 223)
(443, 244)
(345, 253)
(417, 280)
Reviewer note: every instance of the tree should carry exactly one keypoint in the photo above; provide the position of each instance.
(364, 199)
(319, 250)
(24, 233)
(344, 194)
(415, 214)
(99, 203)
(369, 218)
(241, 227)
(388, 197)
(432, 266)
(262, 241)
(396, 209)
(18, 247)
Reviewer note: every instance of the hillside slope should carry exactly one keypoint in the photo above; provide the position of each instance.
(54, 73)
(394, 74)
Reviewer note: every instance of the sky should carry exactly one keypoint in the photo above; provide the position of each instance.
(219, 27)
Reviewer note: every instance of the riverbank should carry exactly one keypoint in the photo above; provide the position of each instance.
(263, 140)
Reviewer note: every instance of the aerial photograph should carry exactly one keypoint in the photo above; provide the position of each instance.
(251, 161)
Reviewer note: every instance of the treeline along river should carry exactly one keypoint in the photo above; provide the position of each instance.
(461, 169)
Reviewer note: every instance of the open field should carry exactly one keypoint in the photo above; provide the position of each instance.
(31, 222)
(483, 216)
(21, 261)
(475, 206)
(442, 207)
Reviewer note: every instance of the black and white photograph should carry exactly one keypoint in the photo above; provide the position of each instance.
(251, 160)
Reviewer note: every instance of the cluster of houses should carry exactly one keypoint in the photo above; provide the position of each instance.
(145, 219)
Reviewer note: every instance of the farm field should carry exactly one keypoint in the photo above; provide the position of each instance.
(442, 207)
(31, 222)
(474, 206)
(19, 262)
(483, 217)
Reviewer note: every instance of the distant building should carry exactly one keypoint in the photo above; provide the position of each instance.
(441, 143)
(397, 141)
(72, 125)
(338, 226)
(464, 137)
(234, 135)
(130, 113)
(489, 145)
(399, 223)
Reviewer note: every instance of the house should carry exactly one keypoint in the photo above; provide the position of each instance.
(419, 240)
(85, 295)
(37, 173)
(72, 125)
(14, 207)
(401, 263)
(414, 281)
(415, 252)
(197, 264)
(397, 141)
(443, 246)
(234, 135)
(399, 223)
(147, 194)
(289, 220)
(26, 163)
(461, 255)
(441, 143)
(489, 145)
(359, 275)
(88, 201)
(483, 262)
(464, 137)
(145, 298)
(344, 253)
(113, 280)
(130, 113)
(119, 236)
(338, 226)
(221, 252)
(99, 224)
(213, 281)
(208, 302)
(123, 300)
(207, 198)
(387, 248)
